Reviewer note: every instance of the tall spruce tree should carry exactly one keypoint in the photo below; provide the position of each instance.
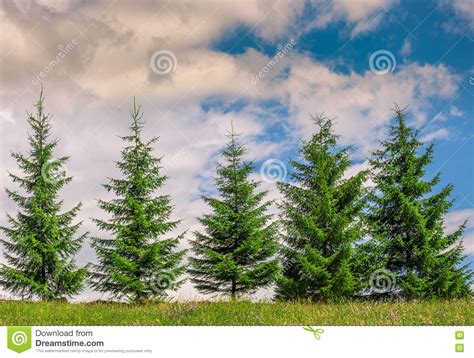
(406, 220)
(41, 246)
(321, 218)
(235, 253)
(137, 263)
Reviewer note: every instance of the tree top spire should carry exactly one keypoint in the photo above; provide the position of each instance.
(137, 116)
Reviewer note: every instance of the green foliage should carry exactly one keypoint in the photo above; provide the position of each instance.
(41, 244)
(406, 220)
(321, 217)
(324, 217)
(235, 254)
(137, 263)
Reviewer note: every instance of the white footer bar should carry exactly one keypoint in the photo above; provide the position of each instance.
(238, 342)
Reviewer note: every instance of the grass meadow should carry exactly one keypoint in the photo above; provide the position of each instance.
(240, 313)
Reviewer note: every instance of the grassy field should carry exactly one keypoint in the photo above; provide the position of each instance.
(454, 312)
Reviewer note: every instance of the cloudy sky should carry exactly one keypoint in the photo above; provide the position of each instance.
(196, 65)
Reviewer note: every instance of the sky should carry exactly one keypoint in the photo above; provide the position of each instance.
(266, 66)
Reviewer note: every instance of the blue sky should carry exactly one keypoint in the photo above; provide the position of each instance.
(265, 65)
(422, 32)
(421, 27)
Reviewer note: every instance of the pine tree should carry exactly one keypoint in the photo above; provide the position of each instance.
(41, 246)
(137, 263)
(235, 254)
(321, 218)
(406, 220)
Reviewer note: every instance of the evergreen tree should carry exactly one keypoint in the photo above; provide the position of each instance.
(137, 264)
(41, 244)
(235, 254)
(406, 220)
(321, 218)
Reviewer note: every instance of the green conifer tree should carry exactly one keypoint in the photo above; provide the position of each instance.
(321, 218)
(235, 254)
(137, 263)
(41, 246)
(406, 220)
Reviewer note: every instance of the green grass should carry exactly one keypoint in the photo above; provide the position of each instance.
(438, 312)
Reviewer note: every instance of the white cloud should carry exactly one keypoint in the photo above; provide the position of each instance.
(445, 115)
(406, 47)
(441, 133)
(461, 16)
(454, 219)
(7, 115)
(468, 241)
(367, 25)
(463, 8)
(361, 102)
(455, 112)
(359, 10)
(362, 15)
(356, 168)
